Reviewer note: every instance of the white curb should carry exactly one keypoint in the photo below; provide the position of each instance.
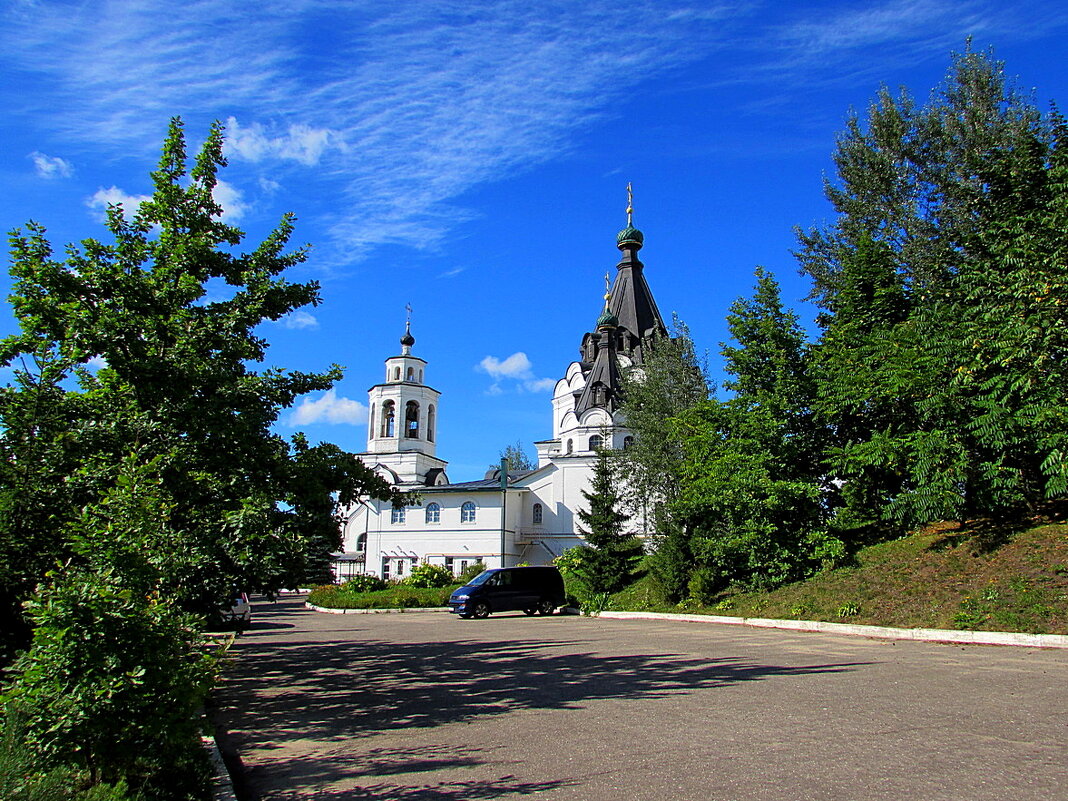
(375, 611)
(878, 632)
(222, 786)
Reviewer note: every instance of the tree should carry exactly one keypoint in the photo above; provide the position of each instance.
(916, 288)
(138, 494)
(517, 458)
(752, 498)
(608, 562)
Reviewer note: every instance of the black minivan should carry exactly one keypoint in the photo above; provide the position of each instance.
(504, 589)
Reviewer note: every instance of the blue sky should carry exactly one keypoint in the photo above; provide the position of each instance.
(473, 162)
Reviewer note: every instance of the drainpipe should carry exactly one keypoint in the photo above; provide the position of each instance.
(504, 503)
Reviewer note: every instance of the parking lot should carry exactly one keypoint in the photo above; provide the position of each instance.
(426, 706)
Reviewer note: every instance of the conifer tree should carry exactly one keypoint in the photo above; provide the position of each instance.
(607, 564)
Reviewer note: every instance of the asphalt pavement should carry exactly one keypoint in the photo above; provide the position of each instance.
(427, 706)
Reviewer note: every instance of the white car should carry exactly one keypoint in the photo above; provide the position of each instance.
(239, 613)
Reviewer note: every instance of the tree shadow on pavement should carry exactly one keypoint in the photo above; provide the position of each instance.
(293, 692)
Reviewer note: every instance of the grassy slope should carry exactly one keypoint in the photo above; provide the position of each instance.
(942, 577)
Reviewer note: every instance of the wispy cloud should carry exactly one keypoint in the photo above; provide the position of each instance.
(452, 272)
(231, 199)
(51, 166)
(517, 368)
(330, 408)
(417, 104)
(299, 320)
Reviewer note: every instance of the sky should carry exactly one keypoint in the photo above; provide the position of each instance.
(471, 160)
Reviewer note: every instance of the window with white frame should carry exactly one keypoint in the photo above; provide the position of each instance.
(467, 513)
(596, 441)
(397, 516)
(433, 513)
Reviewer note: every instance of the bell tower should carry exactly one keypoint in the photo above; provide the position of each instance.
(403, 420)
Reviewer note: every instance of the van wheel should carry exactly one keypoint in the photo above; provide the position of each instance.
(532, 610)
(546, 607)
(481, 610)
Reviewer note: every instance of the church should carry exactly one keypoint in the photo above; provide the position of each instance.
(507, 518)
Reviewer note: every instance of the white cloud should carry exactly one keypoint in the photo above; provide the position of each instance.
(452, 272)
(102, 198)
(51, 166)
(299, 320)
(231, 199)
(539, 384)
(516, 367)
(97, 363)
(329, 409)
(300, 143)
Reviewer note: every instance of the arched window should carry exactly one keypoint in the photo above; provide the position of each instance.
(411, 374)
(420, 376)
(371, 422)
(411, 420)
(467, 513)
(596, 442)
(570, 446)
(397, 516)
(537, 514)
(396, 374)
(388, 419)
(627, 443)
(361, 542)
(430, 423)
(433, 513)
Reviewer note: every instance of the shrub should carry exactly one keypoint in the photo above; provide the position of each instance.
(111, 685)
(471, 571)
(428, 575)
(365, 582)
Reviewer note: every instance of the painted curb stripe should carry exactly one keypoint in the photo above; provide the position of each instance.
(855, 630)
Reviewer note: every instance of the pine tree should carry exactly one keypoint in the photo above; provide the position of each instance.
(608, 563)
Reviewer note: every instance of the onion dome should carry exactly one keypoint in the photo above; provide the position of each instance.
(630, 236)
(407, 340)
(607, 319)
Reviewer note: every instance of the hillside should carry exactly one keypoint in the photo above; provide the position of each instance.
(943, 576)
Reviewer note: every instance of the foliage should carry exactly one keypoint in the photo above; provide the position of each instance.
(940, 369)
(22, 780)
(111, 683)
(365, 582)
(517, 458)
(670, 380)
(397, 596)
(428, 575)
(472, 570)
(751, 499)
(156, 482)
(178, 391)
(608, 562)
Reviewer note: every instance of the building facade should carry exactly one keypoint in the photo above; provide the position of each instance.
(502, 520)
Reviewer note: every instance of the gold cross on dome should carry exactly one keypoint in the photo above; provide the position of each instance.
(630, 203)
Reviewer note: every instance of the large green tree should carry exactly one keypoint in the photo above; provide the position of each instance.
(752, 499)
(923, 298)
(134, 497)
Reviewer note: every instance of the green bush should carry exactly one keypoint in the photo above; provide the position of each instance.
(363, 583)
(22, 778)
(111, 686)
(397, 596)
(469, 572)
(428, 575)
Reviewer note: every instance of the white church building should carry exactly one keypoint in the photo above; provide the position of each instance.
(523, 517)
